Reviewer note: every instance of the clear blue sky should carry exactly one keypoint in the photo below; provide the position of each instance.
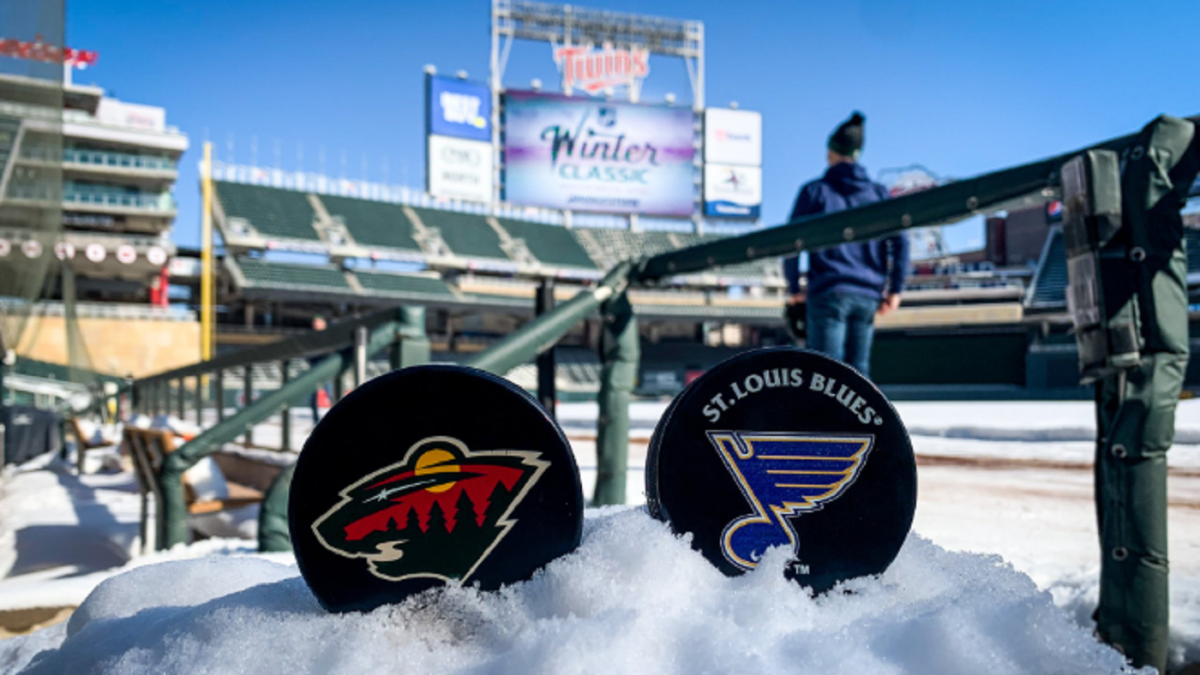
(960, 87)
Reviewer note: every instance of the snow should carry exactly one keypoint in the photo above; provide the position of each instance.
(633, 599)
(1011, 480)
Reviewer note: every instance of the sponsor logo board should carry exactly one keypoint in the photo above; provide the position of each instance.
(732, 191)
(460, 109)
(460, 169)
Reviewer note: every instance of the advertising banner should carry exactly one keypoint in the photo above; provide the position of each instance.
(732, 191)
(459, 108)
(733, 137)
(460, 169)
(587, 155)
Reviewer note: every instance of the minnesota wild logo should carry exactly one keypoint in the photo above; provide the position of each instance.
(436, 514)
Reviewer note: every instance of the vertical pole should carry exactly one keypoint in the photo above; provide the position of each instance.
(619, 355)
(545, 361)
(286, 421)
(181, 395)
(206, 256)
(218, 393)
(248, 394)
(360, 356)
(200, 401)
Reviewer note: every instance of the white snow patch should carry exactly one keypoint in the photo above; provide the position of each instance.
(633, 599)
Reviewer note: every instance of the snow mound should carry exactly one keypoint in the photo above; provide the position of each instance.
(633, 599)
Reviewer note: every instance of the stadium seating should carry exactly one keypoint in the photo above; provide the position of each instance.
(609, 247)
(371, 223)
(468, 235)
(289, 276)
(403, 285)
(552, 245)
(272, 211)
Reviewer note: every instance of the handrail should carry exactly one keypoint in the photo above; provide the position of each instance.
(1007, 188)
(174, 509)
(307, 344)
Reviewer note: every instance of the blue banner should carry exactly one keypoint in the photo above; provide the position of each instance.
(460, 109)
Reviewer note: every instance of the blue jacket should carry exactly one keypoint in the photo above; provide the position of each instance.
(867, 268)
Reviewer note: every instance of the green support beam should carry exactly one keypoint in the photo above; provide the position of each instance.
(545, 331)
(1025, 185)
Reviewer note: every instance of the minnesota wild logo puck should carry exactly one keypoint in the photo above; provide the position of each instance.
(428, 476)
(785, 448)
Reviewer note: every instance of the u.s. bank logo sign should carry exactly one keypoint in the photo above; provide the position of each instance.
(459, 109)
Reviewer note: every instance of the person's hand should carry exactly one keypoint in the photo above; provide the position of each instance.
(797, 298)
(890, 303)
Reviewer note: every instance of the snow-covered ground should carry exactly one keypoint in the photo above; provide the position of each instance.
(1012, 480)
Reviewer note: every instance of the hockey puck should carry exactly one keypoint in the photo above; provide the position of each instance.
(428, 476)
(785, 448)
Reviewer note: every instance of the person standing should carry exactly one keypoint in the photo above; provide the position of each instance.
(848, 284)
(318, 323)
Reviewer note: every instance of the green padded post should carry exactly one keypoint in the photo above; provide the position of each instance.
(273, 533)
(619, 354)
(412, 345)
(1135, 409)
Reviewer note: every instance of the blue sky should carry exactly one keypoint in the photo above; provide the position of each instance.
(959, 87)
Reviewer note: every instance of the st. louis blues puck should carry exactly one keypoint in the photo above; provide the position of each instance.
(785, 448)
(428, 476)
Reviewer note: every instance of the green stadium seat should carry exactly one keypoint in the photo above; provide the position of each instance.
(550, 244)
(373, 224)
(291, 276)
(403, 285)
(274, 212)
(467, 234)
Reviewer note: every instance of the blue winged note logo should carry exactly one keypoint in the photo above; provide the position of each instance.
(783, 475)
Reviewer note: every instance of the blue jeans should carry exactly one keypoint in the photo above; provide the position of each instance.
(842, 326)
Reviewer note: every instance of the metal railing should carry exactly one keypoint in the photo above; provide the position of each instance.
(70, 194)
(1025, 185)
(101, 158)
(332, 354)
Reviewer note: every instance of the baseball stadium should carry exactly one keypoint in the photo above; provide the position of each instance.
(530, 414)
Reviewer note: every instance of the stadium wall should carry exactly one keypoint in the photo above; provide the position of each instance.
(116, 346)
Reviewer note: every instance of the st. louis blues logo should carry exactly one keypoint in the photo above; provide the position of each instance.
(436, 514)
(783, 475)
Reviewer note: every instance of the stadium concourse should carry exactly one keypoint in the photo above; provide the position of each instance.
(983, 324)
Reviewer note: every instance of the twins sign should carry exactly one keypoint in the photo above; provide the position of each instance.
(586, 155)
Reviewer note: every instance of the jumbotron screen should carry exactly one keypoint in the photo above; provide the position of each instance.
(587, 155)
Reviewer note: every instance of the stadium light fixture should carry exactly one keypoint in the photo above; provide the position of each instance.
(670, 98)
(462, 74)
(535, 84)
(430, 69)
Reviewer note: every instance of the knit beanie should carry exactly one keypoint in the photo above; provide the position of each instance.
(847, 139)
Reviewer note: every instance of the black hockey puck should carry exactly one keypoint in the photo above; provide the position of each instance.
(428, 476)
(785, 448)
